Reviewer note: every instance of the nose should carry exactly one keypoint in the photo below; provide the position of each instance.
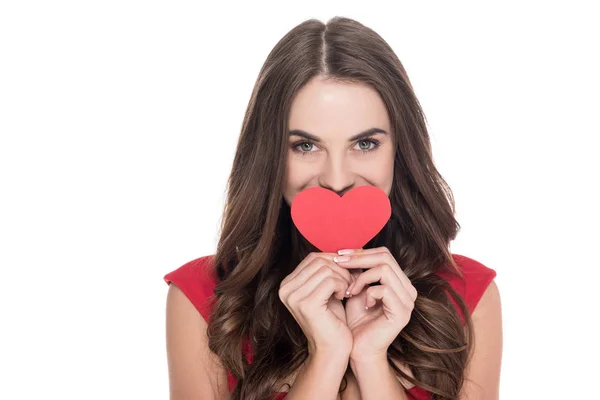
(336, 177)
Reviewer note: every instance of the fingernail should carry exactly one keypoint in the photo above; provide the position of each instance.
(345, 251)
(341, 259)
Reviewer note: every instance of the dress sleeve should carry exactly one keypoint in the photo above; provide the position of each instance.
(197, 280)
(477, 278)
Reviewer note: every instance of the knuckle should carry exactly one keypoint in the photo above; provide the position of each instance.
(303, 306)
(320, 260)
(325, 270)
(283, 291)
(311, 257)
(414, 293)
(292, 299)
(330, 281)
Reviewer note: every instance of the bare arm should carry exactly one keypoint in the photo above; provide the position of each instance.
(320, 378)
(377, 380)
(352, 391)
(482, 378)
(482, 375)
(194, 371)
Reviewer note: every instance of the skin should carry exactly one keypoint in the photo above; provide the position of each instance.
(334, 112)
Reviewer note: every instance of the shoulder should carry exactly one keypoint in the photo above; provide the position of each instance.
(194, 371)
(483, 300)
(471, 281)
(197, 280)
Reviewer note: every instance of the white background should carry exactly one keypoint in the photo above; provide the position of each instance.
(118, 124)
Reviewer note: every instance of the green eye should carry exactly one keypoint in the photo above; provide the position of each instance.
(305, 145)
(364, 146)
(366, 142)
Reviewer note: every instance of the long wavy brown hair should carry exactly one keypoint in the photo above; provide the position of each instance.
(259, 245)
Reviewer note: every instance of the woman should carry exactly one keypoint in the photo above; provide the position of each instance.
(268, 315)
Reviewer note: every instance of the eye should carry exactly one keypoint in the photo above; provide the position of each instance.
(306, 146)
(303, 147)
(368, 145)
(365, 145)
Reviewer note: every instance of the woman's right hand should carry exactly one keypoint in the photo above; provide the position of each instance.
(313, 294)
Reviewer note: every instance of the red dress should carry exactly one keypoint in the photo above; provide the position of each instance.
(197, 280)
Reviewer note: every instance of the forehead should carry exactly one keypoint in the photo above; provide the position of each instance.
(325, 108)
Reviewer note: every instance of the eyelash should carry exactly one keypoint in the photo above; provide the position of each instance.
(375, 142)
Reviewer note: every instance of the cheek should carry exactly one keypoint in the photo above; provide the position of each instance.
(380, 172)
(298, 174)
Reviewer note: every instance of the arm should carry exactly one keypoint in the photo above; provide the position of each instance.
(320, 378)
(352, 391)
(194, 371)
(377, 380)
(482, 376)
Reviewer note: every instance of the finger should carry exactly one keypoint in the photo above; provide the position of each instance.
(323, 274)
(368, 260)
(362, 251)
(382, 273)
(350, 251)
(325, 289)
(317, 263)
(307, 260)
(361, 260)
(303, 273)
(393, 306)
(355, 274)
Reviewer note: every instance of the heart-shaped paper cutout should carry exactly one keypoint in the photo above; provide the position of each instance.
(332, 222)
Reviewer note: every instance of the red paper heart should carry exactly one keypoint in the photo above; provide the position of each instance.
(332, 223)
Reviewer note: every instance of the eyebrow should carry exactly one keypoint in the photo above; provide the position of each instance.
(362, 135)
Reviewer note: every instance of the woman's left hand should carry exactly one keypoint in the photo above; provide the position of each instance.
(390, 304)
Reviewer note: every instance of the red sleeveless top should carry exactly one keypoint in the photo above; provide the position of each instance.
(197, 280)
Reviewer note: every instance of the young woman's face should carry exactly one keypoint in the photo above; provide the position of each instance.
(324, 148)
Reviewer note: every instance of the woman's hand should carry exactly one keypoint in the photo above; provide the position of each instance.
(389, 305)
(313, 293)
